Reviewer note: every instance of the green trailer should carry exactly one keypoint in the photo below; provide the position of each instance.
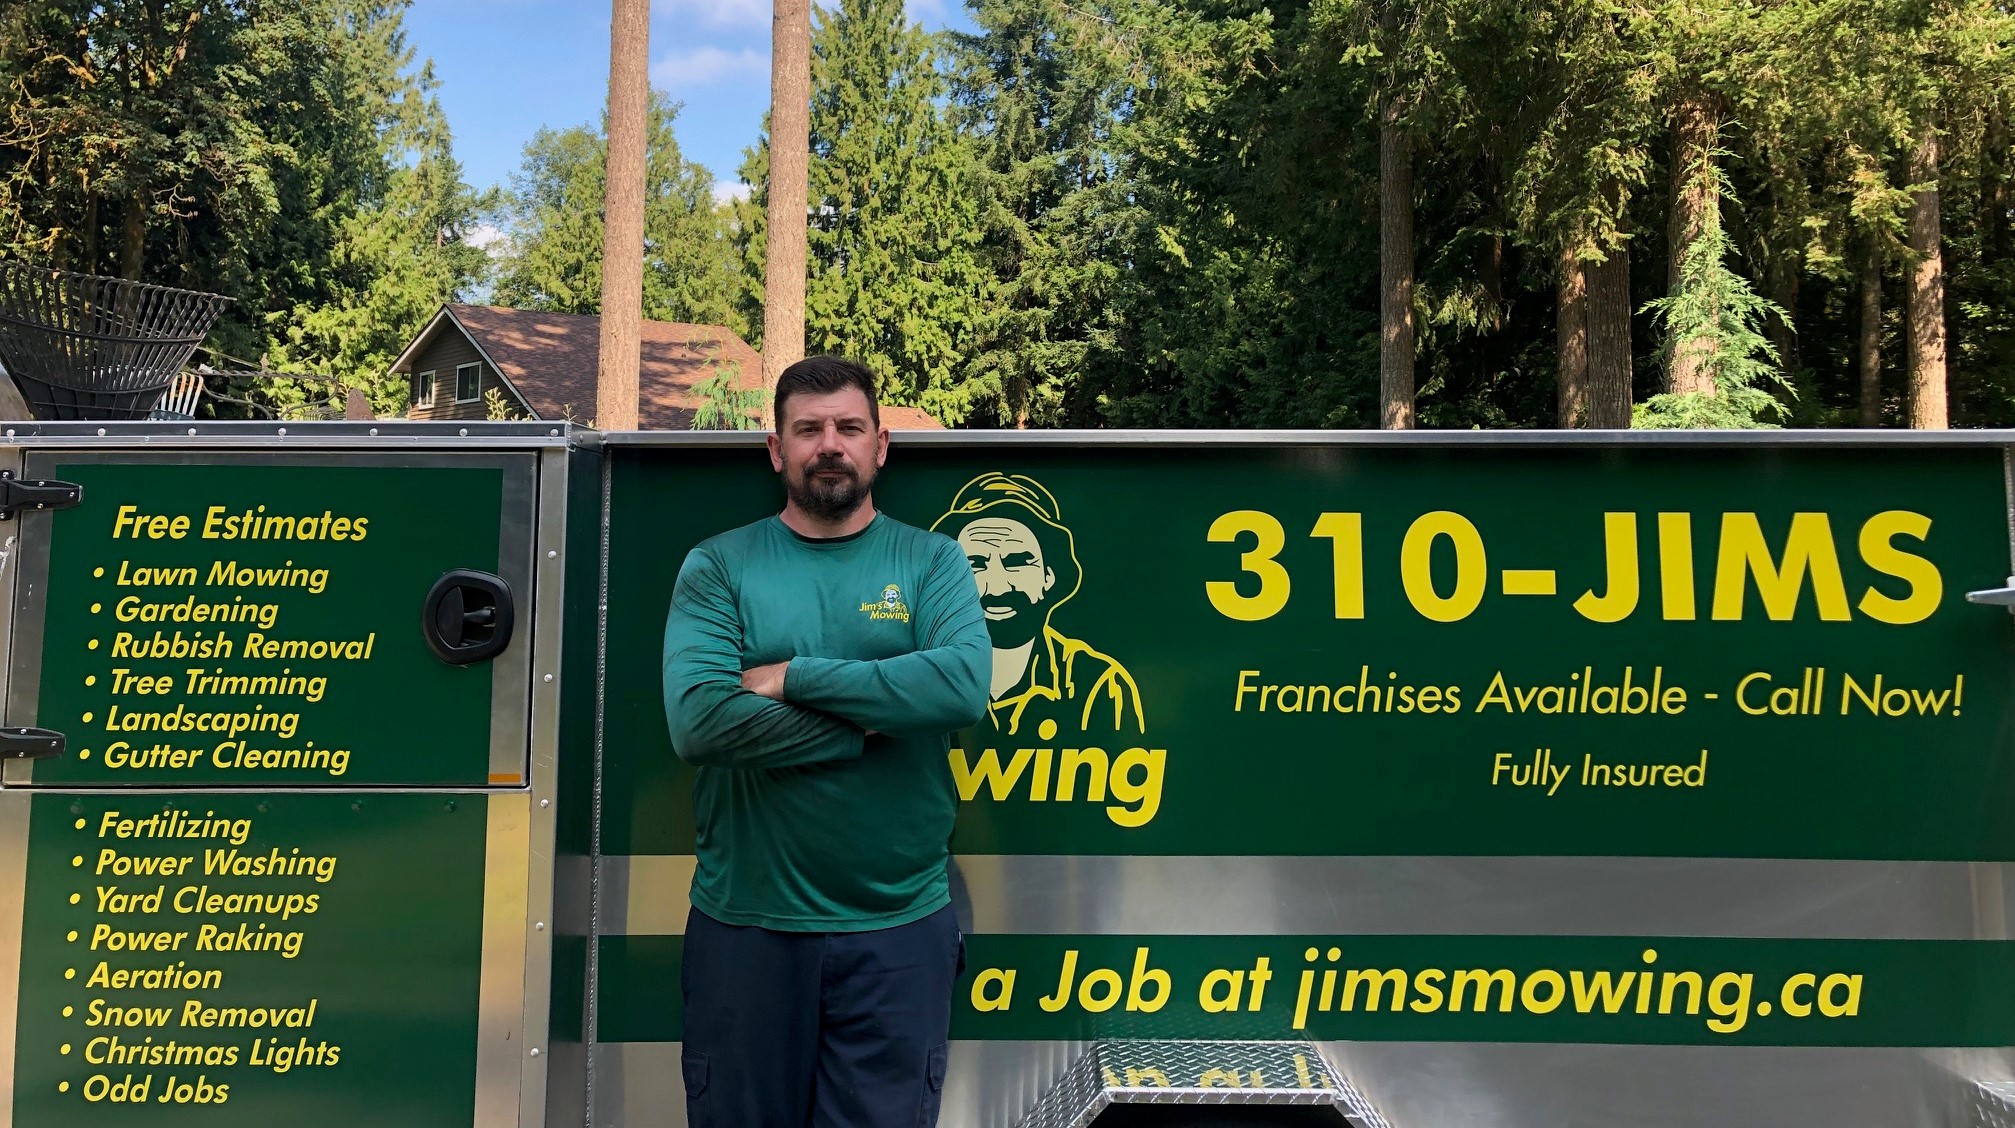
(1383, 779)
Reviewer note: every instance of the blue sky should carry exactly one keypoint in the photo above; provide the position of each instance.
(508, 67)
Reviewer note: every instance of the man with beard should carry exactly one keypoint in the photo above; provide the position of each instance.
(815, 664)
(1024, 562)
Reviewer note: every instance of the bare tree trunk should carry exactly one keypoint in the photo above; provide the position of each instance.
(1571, 330)
(1695, 126)
(623, 216)
(1784, 291)
(1870, 352)
(133, 246)
(789, 189)
(1995, 189)
(1492, 270)
(1926, 293)
(1609, 378)
(1395, 245)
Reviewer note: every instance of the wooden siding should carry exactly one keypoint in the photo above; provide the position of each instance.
(449, 350)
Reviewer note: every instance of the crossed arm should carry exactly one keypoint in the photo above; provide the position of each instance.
(817, 710)
(714, 721)
(937, 688)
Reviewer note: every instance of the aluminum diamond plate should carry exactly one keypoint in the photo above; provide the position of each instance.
(1198, 1073)
(1994, 1104)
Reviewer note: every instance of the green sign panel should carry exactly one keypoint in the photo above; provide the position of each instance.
(1590, 989)
(1694, 652)
(257, 625)
(237, 959)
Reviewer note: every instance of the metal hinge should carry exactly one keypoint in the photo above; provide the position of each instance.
(17, 494)
(1998, 597)
(29, 744)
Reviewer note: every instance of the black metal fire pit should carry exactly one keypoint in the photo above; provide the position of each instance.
(82, 346)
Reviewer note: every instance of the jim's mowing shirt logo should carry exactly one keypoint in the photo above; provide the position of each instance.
(1065, 722)
(889, 606)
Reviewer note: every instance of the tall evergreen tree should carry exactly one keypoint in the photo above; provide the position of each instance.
(406, 248)
(289, 157)
(1711, 325)
(1043, 98)
(895, 276)
(896, 280)
(554, 258)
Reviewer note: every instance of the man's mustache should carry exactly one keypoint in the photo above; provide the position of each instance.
(1014, 601)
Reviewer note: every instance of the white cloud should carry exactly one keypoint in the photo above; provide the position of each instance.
(717, 13)
(726, 190)
(487, 236)
(930, 13)
(705, 65)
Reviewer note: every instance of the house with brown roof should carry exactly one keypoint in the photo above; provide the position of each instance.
(544, 366)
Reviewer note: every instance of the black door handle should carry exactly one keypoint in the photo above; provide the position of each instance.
(467, 617)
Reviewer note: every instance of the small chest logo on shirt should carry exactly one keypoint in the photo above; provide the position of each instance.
(889, 606)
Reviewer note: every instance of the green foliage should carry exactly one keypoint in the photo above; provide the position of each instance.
(726, 404)
(554, 259)
(1716, 319)
(1157, 213)
(1042, 91)
(403, 252)
(895, 277)
(748, 242)
(291, 157)
(1235, 196)
(895, 280)
(495, 408)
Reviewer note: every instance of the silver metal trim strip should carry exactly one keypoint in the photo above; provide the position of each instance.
(11, 548)
(500, 1025)
(511, 673)
(15, 808)
(2008, 496)
(595, 897)
(380, 434)
(28, 614)
(548, 626)
(1153, 895)
(13, 560)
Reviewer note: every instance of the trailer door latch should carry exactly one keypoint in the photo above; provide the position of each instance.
(467, 617)
(29, 743)
(17, 494)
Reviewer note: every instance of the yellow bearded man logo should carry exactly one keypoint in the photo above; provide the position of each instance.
(1024, 560)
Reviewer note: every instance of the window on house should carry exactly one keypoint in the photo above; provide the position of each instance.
(423, 390)
(468, 382)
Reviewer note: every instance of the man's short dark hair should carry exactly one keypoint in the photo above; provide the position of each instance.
(819, 375)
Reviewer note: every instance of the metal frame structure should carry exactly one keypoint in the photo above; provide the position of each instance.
(528, 897)
(1026, 1084)
(518, 897)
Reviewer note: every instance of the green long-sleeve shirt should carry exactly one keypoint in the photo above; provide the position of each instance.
(806, 822)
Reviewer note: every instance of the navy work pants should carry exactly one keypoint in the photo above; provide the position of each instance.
(817, 1029)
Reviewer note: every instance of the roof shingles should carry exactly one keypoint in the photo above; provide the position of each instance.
(552, 360)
